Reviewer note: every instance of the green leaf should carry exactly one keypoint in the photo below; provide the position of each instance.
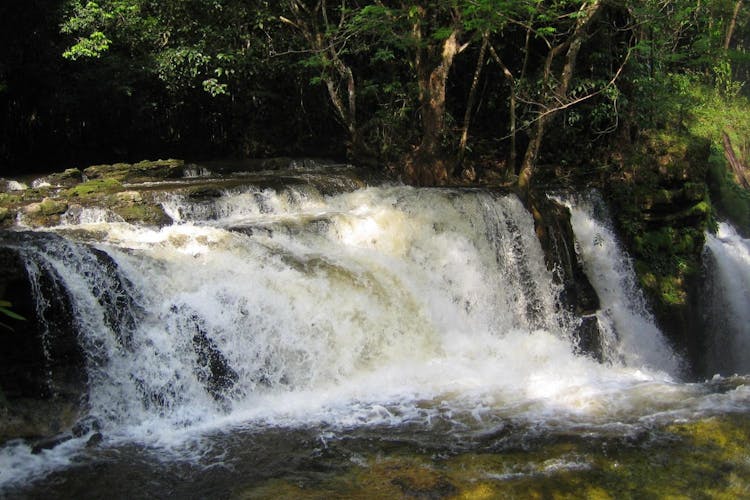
(442, 33)
(11, 314)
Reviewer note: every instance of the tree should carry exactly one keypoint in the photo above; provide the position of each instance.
(327, 43)
(555, 87)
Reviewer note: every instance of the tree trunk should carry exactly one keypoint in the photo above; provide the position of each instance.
(512, 83)
(433, 61)
(472, 97)
(433, 99)
(738, 168)
(572, 46)
(308, 22)
(732, 24)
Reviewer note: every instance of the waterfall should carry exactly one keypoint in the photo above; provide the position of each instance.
(727, 293)
(316, 310)
(387, 304)
(630, 335)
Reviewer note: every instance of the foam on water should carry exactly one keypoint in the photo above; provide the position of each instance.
(383, 306)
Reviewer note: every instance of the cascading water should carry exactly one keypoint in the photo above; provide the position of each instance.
(630, 334)
(387, 307)
(727, 258)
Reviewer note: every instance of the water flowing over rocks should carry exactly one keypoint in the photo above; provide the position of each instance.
(555, 233)
(306, 298)
(42, 376)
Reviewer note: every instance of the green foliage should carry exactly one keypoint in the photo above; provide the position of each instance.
(92, 46)
(726, 86)
(732, 201)
(5, 309)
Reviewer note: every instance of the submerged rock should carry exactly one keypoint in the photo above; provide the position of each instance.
(95, 439)
(50, 443)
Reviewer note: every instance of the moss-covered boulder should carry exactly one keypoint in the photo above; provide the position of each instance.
(45, 206)
(663, 210)
(138, 207)
(144, 171)
(44, 213)
(95, 188)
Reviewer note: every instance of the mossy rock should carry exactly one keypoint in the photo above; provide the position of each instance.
(7, 199)
(4, 214)
(65, 179)
(143, 213)
(49, 206)
(137, 172)
(732, 201)
(662, 209)
(94, 188)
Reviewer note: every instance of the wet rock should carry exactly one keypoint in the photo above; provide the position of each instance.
(42, 371)
(50, 443)
(65, 179)
(552, 223)
(85, 426)
(204, 193)
(9, 186)
(95, 440)
(555, 233)
(589, 339)
(213, 368)
(136, 208)
(129, 197)
(144, 171)
(35, 419)
(44, 213)
(115, 296)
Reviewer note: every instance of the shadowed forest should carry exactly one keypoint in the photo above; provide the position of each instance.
(437, 89)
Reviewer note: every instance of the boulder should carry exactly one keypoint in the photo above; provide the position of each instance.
(42, 369)
(65, 179)
(10, 186)
(144, 171)
(555, 233)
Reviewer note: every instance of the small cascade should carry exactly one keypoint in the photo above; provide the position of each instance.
(629, 333)
(727, 298)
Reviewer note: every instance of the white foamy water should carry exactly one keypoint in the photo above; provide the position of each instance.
(383, 306)
(630, 332)
(728, 292)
